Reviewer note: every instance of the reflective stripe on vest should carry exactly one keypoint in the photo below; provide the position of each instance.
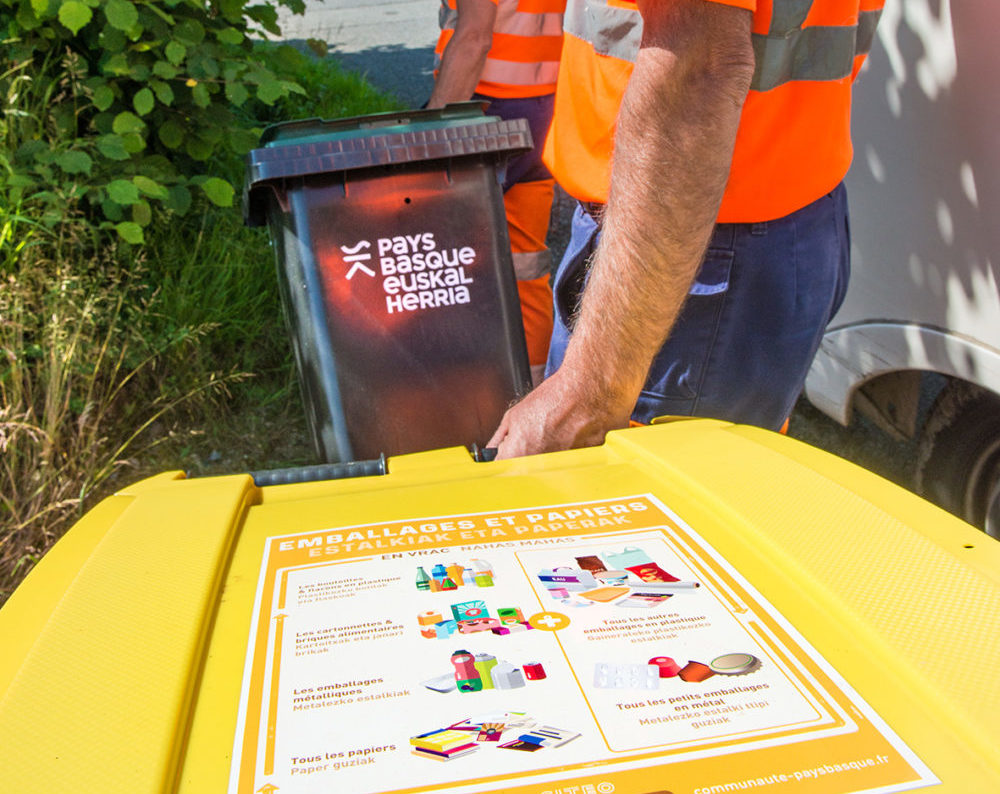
(530, 265)
(513, 31)
(522, 74)
(788, 51)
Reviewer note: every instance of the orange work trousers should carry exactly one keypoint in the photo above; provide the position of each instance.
(528, 206)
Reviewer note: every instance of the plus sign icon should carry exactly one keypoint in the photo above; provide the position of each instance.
(548, 621)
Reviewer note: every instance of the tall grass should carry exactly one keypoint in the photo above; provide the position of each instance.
(80, 380)
(116, 360)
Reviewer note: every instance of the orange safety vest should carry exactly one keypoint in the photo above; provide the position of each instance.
(524, 58)
(793, 143)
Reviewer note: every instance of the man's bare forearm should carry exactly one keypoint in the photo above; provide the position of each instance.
(465, 55)
(673, 148)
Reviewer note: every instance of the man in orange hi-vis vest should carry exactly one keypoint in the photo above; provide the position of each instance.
(506, 52)
(706, 141)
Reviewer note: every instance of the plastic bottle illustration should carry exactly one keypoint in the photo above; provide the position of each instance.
(466, 674)
(438, 575)
(483, 573)
(481, 566)
(423, 580)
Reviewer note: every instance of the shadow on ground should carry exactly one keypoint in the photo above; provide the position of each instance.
(406, 73)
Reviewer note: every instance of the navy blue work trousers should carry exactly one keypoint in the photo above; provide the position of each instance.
(751, 323)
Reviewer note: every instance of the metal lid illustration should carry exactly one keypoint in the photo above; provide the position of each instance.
(734, 664)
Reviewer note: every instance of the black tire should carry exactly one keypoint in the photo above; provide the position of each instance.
(958, 465)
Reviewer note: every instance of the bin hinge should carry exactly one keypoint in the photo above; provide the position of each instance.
(319, 472)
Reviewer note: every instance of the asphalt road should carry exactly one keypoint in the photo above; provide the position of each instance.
(391, 42)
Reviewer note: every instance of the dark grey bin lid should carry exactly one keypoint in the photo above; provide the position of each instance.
(315, 146)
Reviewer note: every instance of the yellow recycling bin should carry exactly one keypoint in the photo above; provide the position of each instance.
(693, 608)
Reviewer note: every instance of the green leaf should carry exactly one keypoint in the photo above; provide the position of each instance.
(242, 141)
(201, 96)
(270, 91)
(266, 15)
(237, 93)
(232, 10)
(121, 191)
(74, 15)
(117, 65)
(20, 180)
(121, 14)
(229, 36)
(189, 32)
(130, 232)
(212, 133)
(219, 191)
(112, 40)
(126, 122)
(142, 213)
(104, 97)
(165, 70)
(143, 101)
(40, 7)
(286, 59)
(74, 162)
(112, 147)
(175, 52)
(163, 91)
(202, 67)
(179, 200)
(112, 211)
(133, 142)
(197, 148)
(138, 71)
(171, 134)
(150, 187)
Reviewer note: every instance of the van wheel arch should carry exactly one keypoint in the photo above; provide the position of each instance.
(958, 461)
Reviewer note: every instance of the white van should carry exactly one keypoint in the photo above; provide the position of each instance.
(922, 316)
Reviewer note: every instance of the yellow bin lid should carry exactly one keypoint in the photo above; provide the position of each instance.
(694, 607)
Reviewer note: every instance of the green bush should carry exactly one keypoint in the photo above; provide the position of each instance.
(115, 108)
(140, 326)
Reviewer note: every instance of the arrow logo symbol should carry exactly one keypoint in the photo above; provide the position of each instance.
(354, 255)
